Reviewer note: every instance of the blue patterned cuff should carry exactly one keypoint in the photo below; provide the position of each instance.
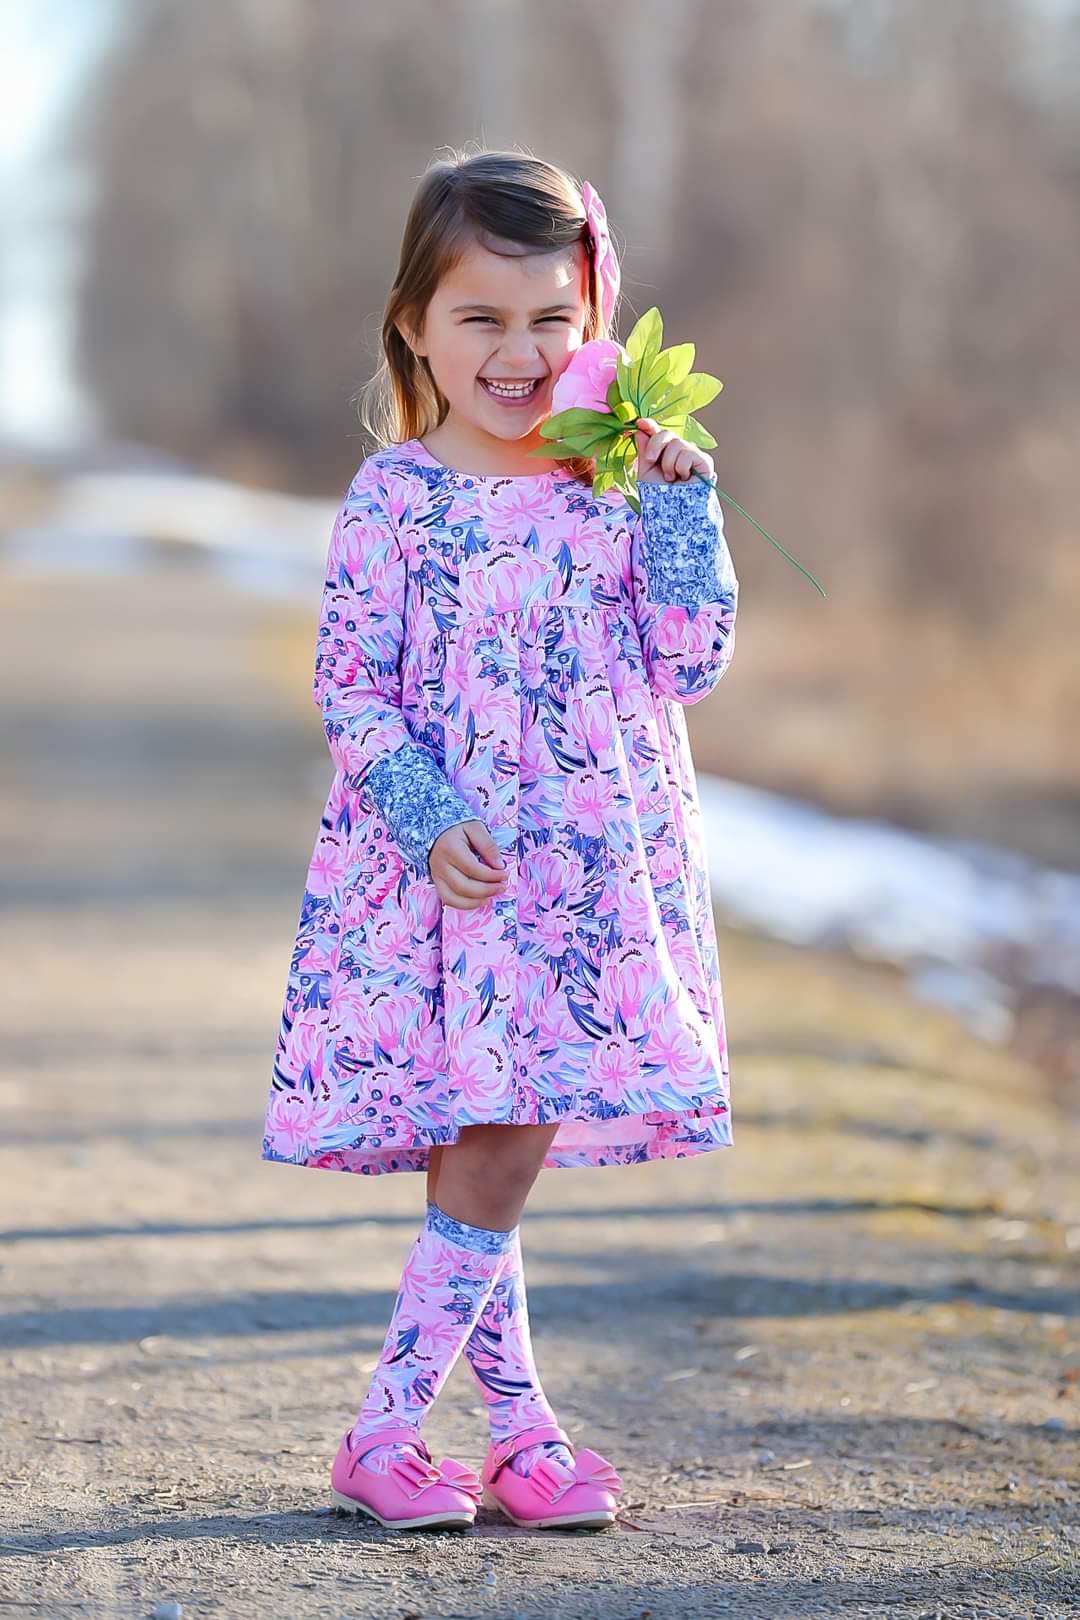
(481, 1238)
(683, 549)
(414, 798)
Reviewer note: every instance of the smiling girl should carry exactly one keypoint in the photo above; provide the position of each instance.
(506, 958)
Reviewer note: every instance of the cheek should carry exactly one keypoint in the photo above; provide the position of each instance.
(562, 349)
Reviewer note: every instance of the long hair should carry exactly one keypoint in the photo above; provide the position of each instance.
(464, 198)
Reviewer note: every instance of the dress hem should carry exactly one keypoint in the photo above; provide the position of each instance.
(671, 1141)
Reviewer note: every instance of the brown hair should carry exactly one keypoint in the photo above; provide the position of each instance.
(506, 194)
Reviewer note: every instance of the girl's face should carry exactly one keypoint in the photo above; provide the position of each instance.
(515, 319)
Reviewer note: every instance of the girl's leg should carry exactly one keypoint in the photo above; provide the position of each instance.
(499, 1347)
(450, 1273)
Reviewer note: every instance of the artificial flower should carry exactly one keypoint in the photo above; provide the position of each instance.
(605, 391)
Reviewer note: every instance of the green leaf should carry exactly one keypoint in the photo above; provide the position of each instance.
(695, 434)
(556, 452)
(647, 335)
(585, 444)
(675, 421)
(696, 390)
(578, 416)
(656, 381)
(622, 376)
(680, 359)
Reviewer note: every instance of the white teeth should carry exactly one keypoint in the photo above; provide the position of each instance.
(511, 390)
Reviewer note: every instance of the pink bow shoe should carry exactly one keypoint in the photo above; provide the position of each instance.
(413, 1493)
(579, 1497)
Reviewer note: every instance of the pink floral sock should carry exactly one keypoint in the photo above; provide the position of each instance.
(445, 1285)
(499, 1351)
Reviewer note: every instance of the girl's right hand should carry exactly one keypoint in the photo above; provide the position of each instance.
(462, 878)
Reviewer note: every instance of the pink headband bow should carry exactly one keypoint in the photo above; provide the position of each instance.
(604, 256)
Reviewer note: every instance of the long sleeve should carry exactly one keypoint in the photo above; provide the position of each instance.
(684, 588)
(357, 684)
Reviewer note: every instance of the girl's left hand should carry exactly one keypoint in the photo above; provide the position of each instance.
(662, 457)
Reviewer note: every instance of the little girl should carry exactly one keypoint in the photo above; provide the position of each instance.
(506, 957)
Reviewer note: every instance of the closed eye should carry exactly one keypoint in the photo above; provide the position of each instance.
(491, 318)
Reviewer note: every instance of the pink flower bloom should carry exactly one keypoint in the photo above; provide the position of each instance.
(586, 379)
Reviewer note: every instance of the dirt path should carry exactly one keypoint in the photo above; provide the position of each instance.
(837, 1365)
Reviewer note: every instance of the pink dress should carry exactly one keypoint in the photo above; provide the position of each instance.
(521, 652)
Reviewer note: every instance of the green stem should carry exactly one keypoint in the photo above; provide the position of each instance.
(760, 530)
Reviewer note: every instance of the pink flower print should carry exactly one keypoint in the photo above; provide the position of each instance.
(555, 930)
(556, 1025)
(387, 942)
(457, 674)
(625, 980)
(614, 1069)
(471, 931)
(677, 634)
(500, 582)
(584, 381)
(682, 1059)
(320, 1117)
(551, 871)
(684, 955)
(305, 1044)
(513, 506)
(597, 728)
(319, 957)
(485, 1073)
(378, 885)
(533, 671)
(394, 1008)
(431, 1265)
(287, 1120)
(590, 802)
(634, 901)
(427, 907)
(381, 596)
(366, 1013)
(328, 865)
(666, 862)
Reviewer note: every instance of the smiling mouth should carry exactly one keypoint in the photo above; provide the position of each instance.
(512, 390)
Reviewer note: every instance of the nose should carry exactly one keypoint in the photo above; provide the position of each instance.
(520, 352)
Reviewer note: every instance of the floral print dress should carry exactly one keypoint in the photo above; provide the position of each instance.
(519, 651)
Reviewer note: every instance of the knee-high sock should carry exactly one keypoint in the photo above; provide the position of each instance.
(444, 1287)
(499, 1351)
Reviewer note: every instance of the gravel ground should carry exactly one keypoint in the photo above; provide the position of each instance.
(838, 1365)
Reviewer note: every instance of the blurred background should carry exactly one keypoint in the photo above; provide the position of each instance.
(866, 216)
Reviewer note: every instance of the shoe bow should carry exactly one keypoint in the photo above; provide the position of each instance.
(414, 1472)
(589, 1469)
(461, 1477)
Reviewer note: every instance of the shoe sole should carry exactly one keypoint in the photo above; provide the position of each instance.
(441, 1520)
(567, 1521)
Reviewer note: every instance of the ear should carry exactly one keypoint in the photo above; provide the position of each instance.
(410, 338)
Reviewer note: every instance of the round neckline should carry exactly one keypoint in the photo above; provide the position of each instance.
(483, 478)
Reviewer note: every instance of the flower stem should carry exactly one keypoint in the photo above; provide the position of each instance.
(760, 530)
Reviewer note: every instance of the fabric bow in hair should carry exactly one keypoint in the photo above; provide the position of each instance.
(605, 259)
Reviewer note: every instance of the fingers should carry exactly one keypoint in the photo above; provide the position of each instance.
(467, 866)
(662, 454)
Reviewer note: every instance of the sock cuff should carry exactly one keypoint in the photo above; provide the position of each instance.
(481, 1238)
